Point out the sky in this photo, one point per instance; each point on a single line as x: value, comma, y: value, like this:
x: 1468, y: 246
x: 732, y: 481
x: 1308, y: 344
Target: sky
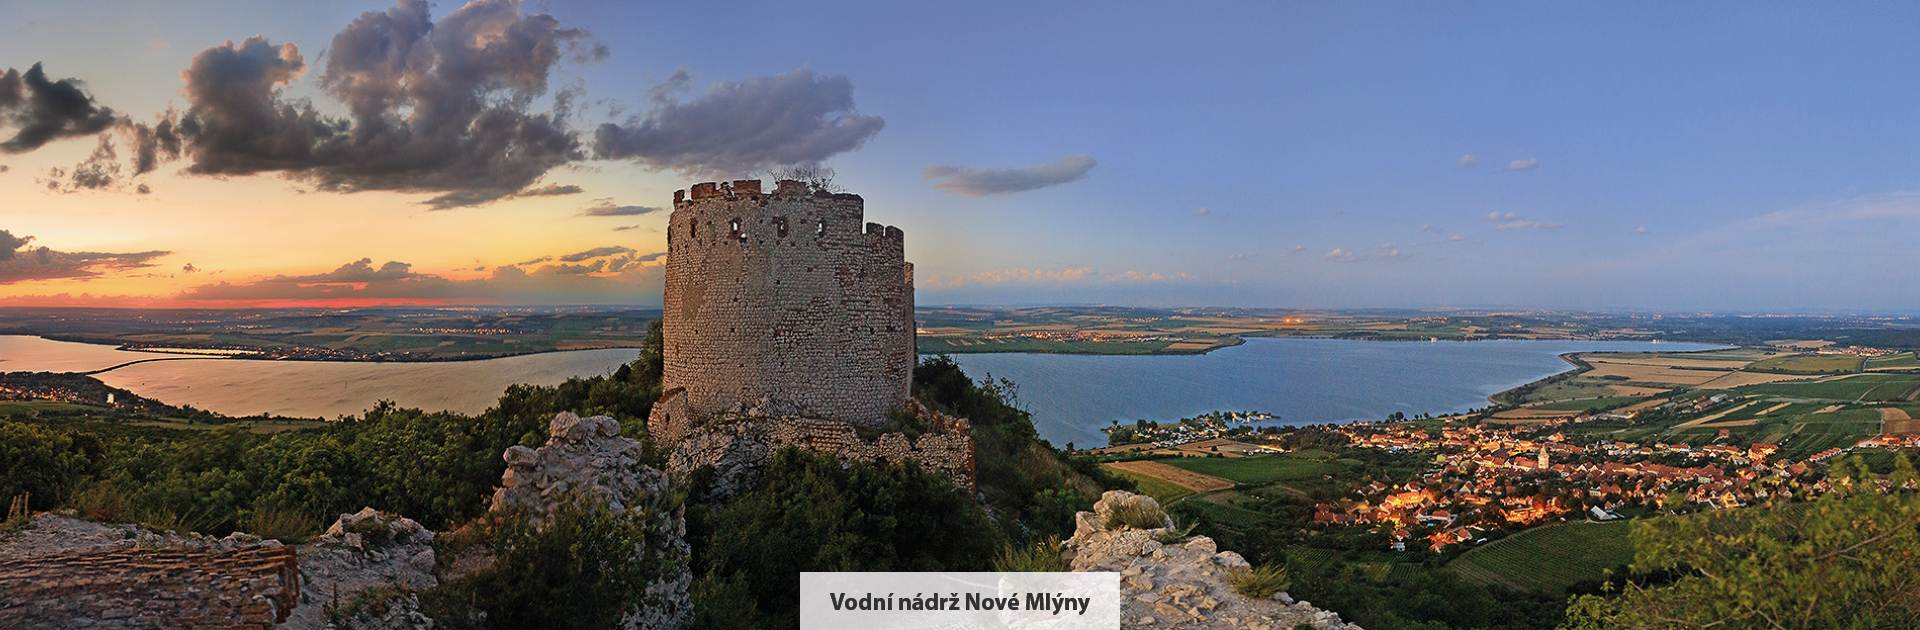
x: 1710, y: 156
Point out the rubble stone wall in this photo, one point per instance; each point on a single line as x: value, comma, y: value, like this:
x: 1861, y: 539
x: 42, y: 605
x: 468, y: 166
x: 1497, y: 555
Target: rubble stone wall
x: 739, y: 447
x: 786, y: 300
x: 249, y: 588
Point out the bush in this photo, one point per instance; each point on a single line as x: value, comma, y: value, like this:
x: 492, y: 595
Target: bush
x: 1258, y: 582
x: 40, y: 462
x: 584, y: 567
x: 814, y: 513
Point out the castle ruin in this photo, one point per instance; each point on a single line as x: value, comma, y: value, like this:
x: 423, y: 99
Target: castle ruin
x: 788, y: 319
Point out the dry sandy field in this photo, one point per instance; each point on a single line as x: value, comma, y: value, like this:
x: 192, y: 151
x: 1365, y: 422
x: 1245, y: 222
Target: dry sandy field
x: 1636, y: 390
x: 1643, y: 405
x: 1897, y: 422
x: 1225, y: 447
x: 1184, y: 478
x: 1652, y: 373
x: 1710, y: 364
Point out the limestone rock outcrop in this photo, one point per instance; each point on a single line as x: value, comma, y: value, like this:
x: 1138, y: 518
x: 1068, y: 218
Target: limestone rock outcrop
x: 586, y: 459
x: 365, y: 571
x: 1176, y: 585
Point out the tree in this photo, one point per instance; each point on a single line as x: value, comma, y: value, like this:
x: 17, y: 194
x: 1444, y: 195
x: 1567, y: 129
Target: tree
x: 1848, y: 560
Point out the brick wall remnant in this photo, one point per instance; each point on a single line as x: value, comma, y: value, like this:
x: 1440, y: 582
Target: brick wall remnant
x: 251, y: 587
x: 786, y: 302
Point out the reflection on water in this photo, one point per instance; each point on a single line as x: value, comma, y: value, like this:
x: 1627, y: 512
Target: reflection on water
x: 309, y: 388
x: 1304, y: 381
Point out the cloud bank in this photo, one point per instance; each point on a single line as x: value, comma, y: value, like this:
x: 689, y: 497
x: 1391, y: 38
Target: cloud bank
x: 742, y: 127
x: 19, y: 263
x: 981, y: 182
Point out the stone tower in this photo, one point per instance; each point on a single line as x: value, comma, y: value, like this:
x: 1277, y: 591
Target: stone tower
x: 783, y: 304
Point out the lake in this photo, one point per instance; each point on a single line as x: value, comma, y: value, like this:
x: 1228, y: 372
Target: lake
x: 308, y: 389
x: 1304, y: 381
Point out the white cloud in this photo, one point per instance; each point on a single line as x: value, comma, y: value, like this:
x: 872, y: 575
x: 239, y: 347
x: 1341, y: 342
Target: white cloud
x: 1468, y: 161
x: 1201, y: 212
x: 1523, y: 165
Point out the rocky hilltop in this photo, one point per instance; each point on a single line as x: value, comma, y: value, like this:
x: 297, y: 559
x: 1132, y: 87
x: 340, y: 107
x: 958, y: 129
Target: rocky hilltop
x: 1183, y: 585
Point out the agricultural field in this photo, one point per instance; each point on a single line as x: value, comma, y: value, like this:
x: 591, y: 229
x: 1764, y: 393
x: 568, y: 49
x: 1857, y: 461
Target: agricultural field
x: 1197, y: 482
x: 1161, y: 491
x: 1588, y: 403
x: 1835, y: 429
x: 1254, y: 470
x: 1578, y: 387
x: 1865, y: 387
x: 1904, y: 360
x: 1809, y: 364
x: 1898, y: 421
x: 1549, y: 559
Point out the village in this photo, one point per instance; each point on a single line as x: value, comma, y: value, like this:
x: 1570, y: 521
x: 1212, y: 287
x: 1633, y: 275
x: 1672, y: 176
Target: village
x: 1488, y: 476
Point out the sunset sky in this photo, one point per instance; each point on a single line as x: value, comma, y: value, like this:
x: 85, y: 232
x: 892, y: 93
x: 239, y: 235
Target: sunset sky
x: 1728, y: 156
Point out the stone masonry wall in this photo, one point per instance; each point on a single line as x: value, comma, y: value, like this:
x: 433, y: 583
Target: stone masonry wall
x: 738, y: 446
x: 786, y: 301
x: 252, y: 587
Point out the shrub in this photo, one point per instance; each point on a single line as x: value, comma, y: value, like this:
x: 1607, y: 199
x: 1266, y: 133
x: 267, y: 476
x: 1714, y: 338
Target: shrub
x: 1259, y: 582
x: 1042, y: 556
x: 584, y: 567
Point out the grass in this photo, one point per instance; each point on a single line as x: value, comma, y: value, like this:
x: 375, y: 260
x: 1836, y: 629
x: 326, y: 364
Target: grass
x: 1865, y: 387
x: 1569, y: 389
x: 286, y: 526
x: 1549, y: 559
x: 1809, y: 364
x: 1043, y: 556
x: 1137, y: 515
x: 1161, y: 491
x: 1259, y: 582
x: 1590, y: 403
x: 1233, y: 515
x: 1254, y: 470
x: 1902, y: 360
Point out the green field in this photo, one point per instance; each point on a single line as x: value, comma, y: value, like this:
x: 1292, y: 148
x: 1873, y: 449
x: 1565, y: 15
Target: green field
x: 1569, y: 389
x: 1549, y: 559
x: 1590, y: 403
x: 1902, y: 360
x: 1254, y: 470
x: 1837, y: 429
x: 1809, y: 364
x: 1865, y: 387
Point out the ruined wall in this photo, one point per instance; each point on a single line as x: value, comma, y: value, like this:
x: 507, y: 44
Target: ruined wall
x: 253, y: 588
x: 738, y: 446
x: 786, y: 302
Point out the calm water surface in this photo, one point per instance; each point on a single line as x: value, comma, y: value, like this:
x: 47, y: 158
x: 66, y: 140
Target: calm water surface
x: 1304, y: 381
x: 308, y: 388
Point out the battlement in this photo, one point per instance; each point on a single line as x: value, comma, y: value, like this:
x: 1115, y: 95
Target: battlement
x: 786, y: 300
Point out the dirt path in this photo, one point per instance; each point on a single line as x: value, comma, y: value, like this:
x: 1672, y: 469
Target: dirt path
x: 1177, y: 476
x: 1772, y: 409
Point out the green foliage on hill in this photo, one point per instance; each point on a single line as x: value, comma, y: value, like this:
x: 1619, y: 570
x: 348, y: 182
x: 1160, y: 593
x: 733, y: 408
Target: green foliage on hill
x: 811, y: 513
x: 46, y: 464
x: 1849, y: 560
x: 584, y: 568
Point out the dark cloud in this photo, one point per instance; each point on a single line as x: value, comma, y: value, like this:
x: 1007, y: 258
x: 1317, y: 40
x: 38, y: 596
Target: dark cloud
x: 604, y: 207
x: 45, y: 110
x: 19, y: 263
x: 740, y: 127
x: 598, y: 283
x: 357, y: 271
x: 980, y: 182
x: 624, y: 228
x: 433, y: 106
x: 189, y: 268
x: 535, y: 261
x: 100, y: 171
x: 480, y: 197
x: 597, y: 252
